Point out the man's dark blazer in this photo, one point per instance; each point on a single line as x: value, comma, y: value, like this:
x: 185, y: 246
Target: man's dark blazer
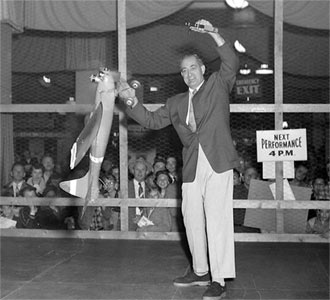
x: 211, y: 107
x: 131, y: 210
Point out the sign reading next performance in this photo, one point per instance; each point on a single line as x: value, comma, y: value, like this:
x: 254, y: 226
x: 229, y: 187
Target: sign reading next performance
x: 281, y: 145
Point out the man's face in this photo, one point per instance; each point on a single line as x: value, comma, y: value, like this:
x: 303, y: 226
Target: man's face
x: 318, y: 185
x: 158, y: 166
x: 140, y: 172
x: 36, y: 174
x: 48, y: 163
x: 249, y: 174
x: 192, y: 72
x: 301, y: 173
x: 18, y: 173
x: 171, y: 164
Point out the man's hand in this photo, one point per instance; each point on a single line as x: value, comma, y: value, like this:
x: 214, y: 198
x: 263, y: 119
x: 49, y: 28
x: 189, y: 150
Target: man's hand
x: 206, y: 24
x: 127, y: 93
x: 206, y: 27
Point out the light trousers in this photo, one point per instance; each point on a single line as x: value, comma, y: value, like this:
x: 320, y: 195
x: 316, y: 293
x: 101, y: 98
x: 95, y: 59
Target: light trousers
x: 207, y: 209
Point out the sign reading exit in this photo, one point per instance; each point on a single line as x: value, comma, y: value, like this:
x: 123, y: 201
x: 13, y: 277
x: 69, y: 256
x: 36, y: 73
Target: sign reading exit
x: 250, y: 87
x: 281, y: 145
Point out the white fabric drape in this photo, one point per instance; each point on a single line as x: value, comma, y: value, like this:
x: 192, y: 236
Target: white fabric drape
x: 84, y: 16
x: 85, y: 53
x: 147, y: 53
x: 304, y: 13
x: 98, y: 16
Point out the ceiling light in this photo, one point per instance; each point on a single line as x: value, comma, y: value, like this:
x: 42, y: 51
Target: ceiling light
x: 45, y: 81
x: 239, y: 47
x: 264, y: 70
x: 245, y: 70
x: 237, y: 4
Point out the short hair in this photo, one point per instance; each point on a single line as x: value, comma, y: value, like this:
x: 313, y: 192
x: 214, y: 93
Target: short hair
x: 38, y: 166
x: 27, y: 188
x: 163, y: 172
x: 17, y: 164
x: 50, y: 188
x: 189, y: 54
x: 108, y: 176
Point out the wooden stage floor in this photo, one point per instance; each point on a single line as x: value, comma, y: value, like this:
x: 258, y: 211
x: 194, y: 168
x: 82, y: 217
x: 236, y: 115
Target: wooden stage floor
x: 40, y: 268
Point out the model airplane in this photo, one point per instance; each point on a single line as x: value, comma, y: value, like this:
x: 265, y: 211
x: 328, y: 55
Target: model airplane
x: 95, y: 136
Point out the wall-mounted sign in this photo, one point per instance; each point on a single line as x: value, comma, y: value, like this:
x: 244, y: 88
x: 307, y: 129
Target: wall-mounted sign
x: 281, y: 145
x: 248, y: 87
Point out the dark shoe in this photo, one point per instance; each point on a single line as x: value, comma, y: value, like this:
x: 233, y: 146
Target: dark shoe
x: 215, y: 292
x: 192, y: 279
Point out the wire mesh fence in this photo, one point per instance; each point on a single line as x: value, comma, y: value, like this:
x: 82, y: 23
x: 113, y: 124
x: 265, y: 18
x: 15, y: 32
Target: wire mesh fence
x: 154, y: 51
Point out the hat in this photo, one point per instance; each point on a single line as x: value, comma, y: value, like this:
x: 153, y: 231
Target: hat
x: 132, y: 163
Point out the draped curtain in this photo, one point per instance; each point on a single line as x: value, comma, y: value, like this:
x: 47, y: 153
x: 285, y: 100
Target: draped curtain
x: 303, y: 54
x: 304, y: 13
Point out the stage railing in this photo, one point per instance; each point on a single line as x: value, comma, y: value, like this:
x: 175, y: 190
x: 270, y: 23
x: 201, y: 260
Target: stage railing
x: 278, y: 205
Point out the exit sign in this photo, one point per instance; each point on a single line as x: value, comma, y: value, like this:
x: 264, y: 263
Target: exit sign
x: 248, y: 87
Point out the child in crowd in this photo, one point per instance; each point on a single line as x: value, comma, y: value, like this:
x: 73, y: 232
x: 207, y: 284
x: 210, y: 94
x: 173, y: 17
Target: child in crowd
x: 319, y: 224
x: 36, y: 180
x: 110, y: 215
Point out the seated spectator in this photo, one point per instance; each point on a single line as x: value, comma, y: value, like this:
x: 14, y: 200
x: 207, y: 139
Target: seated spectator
x: 318, y: 188
x: 175, y: 174
x: 26, y: 162
x: 159, y: 163
x: 106, y: 167
x: 241, y: 192
x: 110, y: 215
x: 50, y: 175
x: 115, y: 173
x: 236, y: 177
x: 150, y: 181
x: 39, y: 217
x: 300, y: 175
x: 52, y: 216
x: 137, y: 188
x: 169, y: 191
x: 172, y: 168
x: 320, y: 223
x: 155, y: 219
x: 12, y: 189
x: 28, y: 214
x: 36, y: 179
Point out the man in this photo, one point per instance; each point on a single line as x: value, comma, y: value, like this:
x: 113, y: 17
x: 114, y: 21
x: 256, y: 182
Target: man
x: 137, y: 188
x: 209, y: 157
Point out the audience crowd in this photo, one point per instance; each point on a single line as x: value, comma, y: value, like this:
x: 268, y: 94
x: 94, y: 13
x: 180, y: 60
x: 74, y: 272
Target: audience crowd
x: 31, y: 177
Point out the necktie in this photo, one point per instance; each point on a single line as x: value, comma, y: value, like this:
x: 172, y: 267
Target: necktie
x: 16, y: 190
x: 191, y: 115
x: 140, y: 191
